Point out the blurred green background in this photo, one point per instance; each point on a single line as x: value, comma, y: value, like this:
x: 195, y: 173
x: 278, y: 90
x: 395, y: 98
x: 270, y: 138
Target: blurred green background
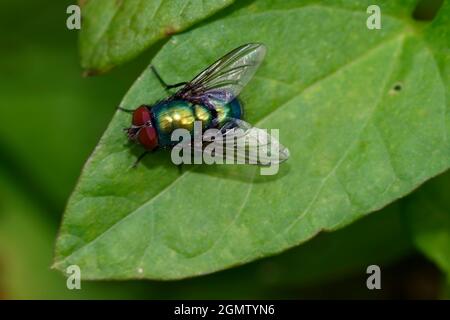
x: 51, y: 119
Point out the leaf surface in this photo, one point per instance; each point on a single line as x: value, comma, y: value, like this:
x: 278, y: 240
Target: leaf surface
x: 428, y: 216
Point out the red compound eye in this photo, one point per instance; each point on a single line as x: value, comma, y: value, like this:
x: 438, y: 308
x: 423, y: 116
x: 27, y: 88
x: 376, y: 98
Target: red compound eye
x: 141, y: 116
x: 148, y: 137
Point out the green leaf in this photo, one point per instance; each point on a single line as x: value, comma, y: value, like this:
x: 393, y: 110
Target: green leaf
x: 116, y: 31
x: 362, y: 111
x: 428, y: 215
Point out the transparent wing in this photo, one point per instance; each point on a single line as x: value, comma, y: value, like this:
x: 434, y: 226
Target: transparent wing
x: 226, y: 77
x: 239, y: 142
x: 246, y: 144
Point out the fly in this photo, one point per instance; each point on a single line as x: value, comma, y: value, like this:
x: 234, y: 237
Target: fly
x: 211, y: 98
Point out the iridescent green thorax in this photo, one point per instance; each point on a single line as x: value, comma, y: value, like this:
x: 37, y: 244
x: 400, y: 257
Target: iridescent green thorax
x: 174, y: 114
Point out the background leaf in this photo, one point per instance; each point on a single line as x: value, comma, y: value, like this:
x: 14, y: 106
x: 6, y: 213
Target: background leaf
x: 116, y: 31
x: 361, y: 111
x: 428, y: 214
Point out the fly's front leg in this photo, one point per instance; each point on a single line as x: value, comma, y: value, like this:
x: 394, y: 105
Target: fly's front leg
x: 140, y: 158
x: 228, y: 126
x: 163, y: 83
x: 142, y: 155
x: 125, y: 110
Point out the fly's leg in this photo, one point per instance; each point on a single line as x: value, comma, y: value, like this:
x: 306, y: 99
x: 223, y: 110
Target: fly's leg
x: 140, y: 158
x: 146, y: 152
x: 163, y: 83
x: 228, y: 126
x: 125, y: 110
x: 142, y: 155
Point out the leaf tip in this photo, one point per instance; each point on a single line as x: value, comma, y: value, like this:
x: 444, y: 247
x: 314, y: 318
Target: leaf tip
x: 54, y: 266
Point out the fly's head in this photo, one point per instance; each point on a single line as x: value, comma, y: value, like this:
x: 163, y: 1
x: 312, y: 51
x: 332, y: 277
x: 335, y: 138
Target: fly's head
x: 142, y: 130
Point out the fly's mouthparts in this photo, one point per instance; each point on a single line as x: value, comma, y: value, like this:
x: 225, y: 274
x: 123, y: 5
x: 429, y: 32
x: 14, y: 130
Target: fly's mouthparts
x: 132, y: 132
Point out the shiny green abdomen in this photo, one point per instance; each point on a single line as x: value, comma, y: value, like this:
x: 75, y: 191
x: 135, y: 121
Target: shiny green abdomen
x: 175, y: 114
